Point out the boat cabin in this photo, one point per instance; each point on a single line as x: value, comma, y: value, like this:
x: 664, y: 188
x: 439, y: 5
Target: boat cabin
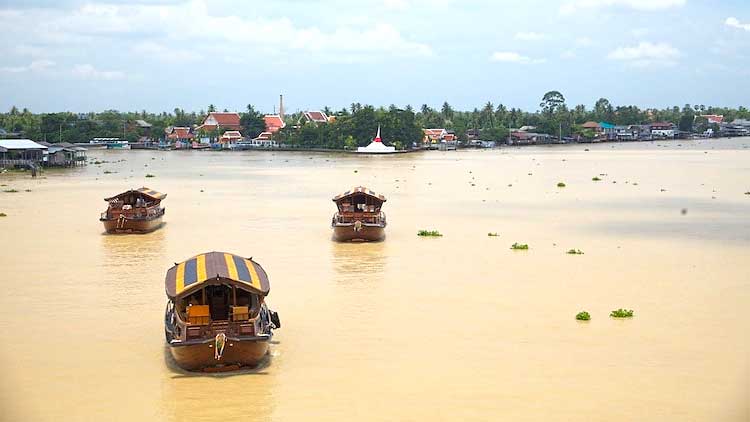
x: 135, y: 203
x: 216, y: 292
x: 359, y: 204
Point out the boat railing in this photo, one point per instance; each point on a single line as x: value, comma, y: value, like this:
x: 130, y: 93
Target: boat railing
x: 132, y: 213
x: 350, y: 218
x: 209, y: 327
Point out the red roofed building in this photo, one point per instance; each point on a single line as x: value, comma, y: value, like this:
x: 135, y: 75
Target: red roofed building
x: 274, y: 123
x: 433, y: 136
x: 177, y: 133
x: 315, y: 117
x: 230, y: 137
x: 228, y: 121
x: 714, y: 118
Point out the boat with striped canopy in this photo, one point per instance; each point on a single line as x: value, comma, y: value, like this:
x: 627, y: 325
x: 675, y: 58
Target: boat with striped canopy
x: 216, y: 316
x: 359, y: 216
x: 134, y: 211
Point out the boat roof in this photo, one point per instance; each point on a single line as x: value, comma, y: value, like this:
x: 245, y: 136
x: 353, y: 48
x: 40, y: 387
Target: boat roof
x: 156, y: 196
x: 358, y: 189
x: 186, y: 277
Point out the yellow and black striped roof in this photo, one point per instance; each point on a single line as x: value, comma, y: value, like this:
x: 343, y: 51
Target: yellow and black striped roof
x: 154, y: 195
x: 186, y: 276
x: 358, y: 189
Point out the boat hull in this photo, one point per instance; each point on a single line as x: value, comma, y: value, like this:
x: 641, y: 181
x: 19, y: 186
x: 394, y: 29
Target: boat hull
x: 366, y: 233
x: 132, y: 225
x: 200, y: 356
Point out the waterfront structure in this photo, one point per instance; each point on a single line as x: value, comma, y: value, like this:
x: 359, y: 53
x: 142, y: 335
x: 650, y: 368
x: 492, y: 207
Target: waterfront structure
x: 376, y: 146
x: 662, y: 130
x: 216, y: 120
x: 63, y: 154
x: 230, y: 138
x: 359, y: 216
x: 432, y: 137
x: 134, y: 211
x: 179, y: 136
x: 216, y: 317
x: 21, y: 153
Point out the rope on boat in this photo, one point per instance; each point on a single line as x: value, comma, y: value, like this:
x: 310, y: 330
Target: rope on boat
x: 219, y: 342
x: 121, y: 221
x: 357, y: 226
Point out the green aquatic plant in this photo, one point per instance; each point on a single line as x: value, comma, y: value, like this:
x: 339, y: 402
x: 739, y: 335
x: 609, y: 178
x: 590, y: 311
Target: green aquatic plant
x: 583, y: 316
x: 108, y: 172
x: 596, y: 178
x: 150, y: 175
x: 2, y: 214
x: 519, y: 246
x: 561, y: 185
x: 429, y: 233
x: 493, y: 235
x: 10, y: 190
x: 621, y: 313
x: 747, y: 193
x: 575, y: 252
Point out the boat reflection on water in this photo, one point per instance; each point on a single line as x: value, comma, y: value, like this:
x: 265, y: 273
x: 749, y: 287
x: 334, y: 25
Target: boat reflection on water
x: 358, y: 261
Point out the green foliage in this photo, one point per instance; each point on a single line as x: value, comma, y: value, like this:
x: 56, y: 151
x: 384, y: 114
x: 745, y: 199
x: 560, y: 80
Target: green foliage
x: 621, y: 313
x: 583, y: 316
x: 10, y: 190
x: 252, y: 122
x: 150, y: 175
x: 2, y: 214
x: 519, y: 246
x: 574, y: 252
x: 429, y: 233
x: 108, y: 172
x: 596, y: 178
x: 560, y: 185
x: 493, y: 235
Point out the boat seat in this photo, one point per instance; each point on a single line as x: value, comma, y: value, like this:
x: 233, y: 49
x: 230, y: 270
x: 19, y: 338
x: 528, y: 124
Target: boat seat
x: 198, y: 314
x: 240, y: 313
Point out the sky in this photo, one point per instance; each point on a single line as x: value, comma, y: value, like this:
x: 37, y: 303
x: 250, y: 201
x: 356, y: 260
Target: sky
x: 68, y: 55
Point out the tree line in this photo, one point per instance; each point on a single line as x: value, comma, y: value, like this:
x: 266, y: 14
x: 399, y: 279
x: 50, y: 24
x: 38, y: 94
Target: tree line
x: 356, y: 125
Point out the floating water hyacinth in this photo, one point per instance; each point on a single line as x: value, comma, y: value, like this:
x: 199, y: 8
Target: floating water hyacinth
x: 150, y: 175
x: 574, y: 252
x: 429, y: 233
x: 493, y: 235
x: 621, y: 313
x: 596, y: 178
x: 561, y: 185
x: 583, y: 316
x: 519, y: 246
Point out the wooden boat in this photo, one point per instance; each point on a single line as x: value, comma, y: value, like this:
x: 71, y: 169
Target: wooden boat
x: 134, y: 211
x: 359, y: 216
x: 216, y: 316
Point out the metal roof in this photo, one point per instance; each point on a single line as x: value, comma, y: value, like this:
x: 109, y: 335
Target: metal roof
x: 10, y: 144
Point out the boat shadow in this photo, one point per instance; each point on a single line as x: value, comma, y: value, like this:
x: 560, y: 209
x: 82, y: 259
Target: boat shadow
x: 178, y: 372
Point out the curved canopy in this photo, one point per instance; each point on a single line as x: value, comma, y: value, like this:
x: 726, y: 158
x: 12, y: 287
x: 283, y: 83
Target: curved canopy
x: 358, y: 190
x: 186, y: 276
x: 144, y: 191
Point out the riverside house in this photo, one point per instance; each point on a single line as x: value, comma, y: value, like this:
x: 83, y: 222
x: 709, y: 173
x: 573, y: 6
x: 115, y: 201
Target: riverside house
x: 21, y: 153
x: 179, y: 136
x: 662, y: 130
x: 230, y: 138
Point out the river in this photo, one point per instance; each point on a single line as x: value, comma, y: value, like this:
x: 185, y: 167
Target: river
x: 459, y: 327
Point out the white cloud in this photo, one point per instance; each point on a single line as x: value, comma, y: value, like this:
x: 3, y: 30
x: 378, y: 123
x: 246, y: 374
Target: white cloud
x: 646, y: 54
x: 568, y: 55
x: 164, y: 53
x: 513, y: 57
x: 396, y: 4
x: 584, y: 42
x: 639, y: 32
x: 529, y: 36
x: 735, y: 23
x: 89, y: 72
x: 208, y: 33
x: 573, y: 6
x: 34, y: 66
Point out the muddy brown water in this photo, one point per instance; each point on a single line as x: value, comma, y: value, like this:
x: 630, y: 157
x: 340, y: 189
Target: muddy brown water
x: 452, y: 328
